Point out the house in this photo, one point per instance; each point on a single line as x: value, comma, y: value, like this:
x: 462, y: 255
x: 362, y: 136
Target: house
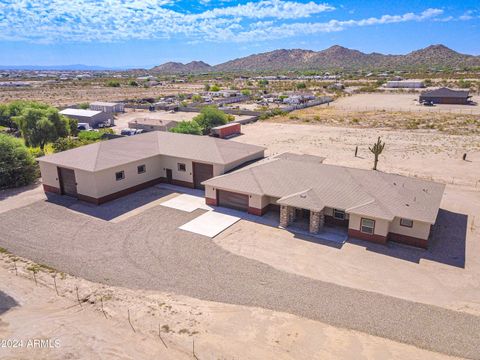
x: 110, y: 169
x: 372, y: 205
x: 92, y: 117
x: 405, y: 84
x: 147, y: 124
x: 446, y: 96
x: 107, y: 107
x: 296, y: 99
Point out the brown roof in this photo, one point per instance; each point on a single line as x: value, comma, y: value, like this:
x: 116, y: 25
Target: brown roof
x: 445, y: 92
x: 363, y: 192
x: 111, y: 153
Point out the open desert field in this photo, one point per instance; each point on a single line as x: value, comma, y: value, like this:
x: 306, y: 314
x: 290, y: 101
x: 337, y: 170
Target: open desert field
x: 344, y: 113
x: 66, y: 94
x: 400, y: 102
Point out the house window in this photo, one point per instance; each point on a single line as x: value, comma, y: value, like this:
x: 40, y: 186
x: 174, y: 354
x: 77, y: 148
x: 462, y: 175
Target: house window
x: 339, y: 214
x: 406, y: 222
x: 120, y: 175
x: 141, y: 169
x: 181, y: 167
x: 367, y: 226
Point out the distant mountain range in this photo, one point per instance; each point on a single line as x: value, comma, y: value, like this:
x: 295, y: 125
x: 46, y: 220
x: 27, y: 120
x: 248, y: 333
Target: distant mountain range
x: 75, y: 67
x: 335, y: 57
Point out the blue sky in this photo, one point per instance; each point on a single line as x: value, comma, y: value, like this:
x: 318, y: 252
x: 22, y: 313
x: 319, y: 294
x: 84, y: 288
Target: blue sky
x: 118, y: 33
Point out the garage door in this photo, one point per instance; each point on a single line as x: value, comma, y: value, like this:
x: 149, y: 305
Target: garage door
x: 68, y: 184
x: 201, y: 172
x: 232, y: 200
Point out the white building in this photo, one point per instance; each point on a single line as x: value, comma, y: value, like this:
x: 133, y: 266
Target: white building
x: 107, y: 107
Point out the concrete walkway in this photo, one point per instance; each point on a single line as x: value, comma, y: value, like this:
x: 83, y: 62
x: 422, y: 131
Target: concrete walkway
x: 149, y: 251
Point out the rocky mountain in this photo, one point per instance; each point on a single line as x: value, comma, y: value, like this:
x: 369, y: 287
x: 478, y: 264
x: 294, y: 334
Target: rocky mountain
x: 335, y: 57
x: 177, y: 67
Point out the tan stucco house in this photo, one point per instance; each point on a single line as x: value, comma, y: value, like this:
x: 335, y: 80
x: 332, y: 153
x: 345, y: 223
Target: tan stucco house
x: 109, y: 169
x: 372, y: 205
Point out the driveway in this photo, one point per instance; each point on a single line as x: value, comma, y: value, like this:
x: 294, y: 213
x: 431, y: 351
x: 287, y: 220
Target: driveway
x: 148, y: 251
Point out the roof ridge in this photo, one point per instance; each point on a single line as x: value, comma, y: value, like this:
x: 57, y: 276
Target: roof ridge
x: 99, y: 144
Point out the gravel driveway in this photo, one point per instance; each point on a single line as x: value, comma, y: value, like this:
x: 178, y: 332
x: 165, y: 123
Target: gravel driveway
x: 148, y: 251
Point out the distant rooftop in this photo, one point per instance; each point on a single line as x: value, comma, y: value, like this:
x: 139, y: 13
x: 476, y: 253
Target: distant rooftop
x: 80, y: 112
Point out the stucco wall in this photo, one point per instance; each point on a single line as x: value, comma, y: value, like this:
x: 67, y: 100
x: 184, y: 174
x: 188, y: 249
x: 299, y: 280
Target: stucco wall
x: 107, y: 184
x: 381, y: 226
x: 258, y: 202
x: 419, y: 229
x: 169, y: 162
x: 49, y: 174
x: 86, y: 182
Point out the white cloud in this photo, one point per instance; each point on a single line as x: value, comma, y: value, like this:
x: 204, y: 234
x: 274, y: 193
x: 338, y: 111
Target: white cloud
x: 52, y: 21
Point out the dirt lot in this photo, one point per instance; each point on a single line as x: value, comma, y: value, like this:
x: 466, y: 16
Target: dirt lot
x: 74, y: 92
x: 121, y: 121
x: 442, y: 122
x: 219, y: 330
x: 400, y: 102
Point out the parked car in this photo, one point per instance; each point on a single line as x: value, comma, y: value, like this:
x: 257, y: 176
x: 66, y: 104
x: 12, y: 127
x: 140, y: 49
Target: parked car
x: 128, y: 132
x: 428, y: 103
x: 84, y: 126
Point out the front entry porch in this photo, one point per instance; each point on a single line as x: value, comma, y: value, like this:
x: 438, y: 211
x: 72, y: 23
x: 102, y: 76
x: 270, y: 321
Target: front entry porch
x: 310, y: 222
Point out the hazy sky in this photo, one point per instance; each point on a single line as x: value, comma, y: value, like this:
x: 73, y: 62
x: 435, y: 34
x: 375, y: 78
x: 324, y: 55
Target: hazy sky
x: 118, y: 33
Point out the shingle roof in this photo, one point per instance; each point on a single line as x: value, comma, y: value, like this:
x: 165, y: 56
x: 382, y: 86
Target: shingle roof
x: 116, y: 152
x: 306, y: 199
x: 363, y: 192
x: 445, y: 92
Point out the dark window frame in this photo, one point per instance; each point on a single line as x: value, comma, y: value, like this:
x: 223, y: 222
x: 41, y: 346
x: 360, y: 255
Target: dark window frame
x: 404, y: 219
x: 366, y: 232
x: 180, y: 166
x: 144, y: 167
x: 340, y: 211
x: 122, y: 175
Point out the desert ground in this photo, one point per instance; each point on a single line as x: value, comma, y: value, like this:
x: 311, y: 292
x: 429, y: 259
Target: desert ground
x: 74, y: 92
x: 165, y: 326
x: 401, y: 102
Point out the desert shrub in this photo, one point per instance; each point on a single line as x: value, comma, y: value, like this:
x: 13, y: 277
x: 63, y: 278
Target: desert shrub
x: 215, y: 88
x: 246, y: 92
x: 197, y: 98
x: 272, y: 113
x: 17, y: 165
x: 113, y: 83
x: 187, y: 127
x: 84, y: 106
x: 90, y: 135
x: 132, y: 83
x: 301, y: 85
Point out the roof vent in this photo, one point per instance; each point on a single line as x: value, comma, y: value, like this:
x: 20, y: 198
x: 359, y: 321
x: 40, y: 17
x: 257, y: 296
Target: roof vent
x: 303, y: 196
x: 407, y: 204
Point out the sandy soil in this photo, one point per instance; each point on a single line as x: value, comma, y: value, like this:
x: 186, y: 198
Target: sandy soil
x: 399, y: 102
x: 218, y: 330
x: 65, y: 94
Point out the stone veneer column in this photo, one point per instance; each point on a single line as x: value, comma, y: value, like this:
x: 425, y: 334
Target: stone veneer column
x: 291, y: 215
x: 314, y: 222
x: 284, y: 216
x: 322, y: 219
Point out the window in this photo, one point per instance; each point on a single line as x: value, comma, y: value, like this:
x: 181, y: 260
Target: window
x: 141, y: 169
x: 339, y: 214
x: 367, y: 226
x: 182, y: 167
x: 120, y: 175
x: 406, y: 222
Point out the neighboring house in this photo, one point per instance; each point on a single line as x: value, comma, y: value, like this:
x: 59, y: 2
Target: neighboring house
x: 146, y: 124
x: 298, y: 99
x: 107, y: 107
x: 446, y: 96
x: 405, y: 84
x: 110, y: 169
x: 373, y: 205
x: 92, y: 117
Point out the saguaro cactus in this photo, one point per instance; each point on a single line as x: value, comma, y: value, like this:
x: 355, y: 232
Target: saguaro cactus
x: 377, y: 149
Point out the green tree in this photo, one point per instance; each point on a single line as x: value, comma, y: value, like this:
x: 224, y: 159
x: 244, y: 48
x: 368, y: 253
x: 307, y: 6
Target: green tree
x: 17, y: 165
x: 197, y: 98
x: 42, y: 124
x: 210, y: 117
x: 301, y: 85
x: 246, y: 92
x: 187, y: 127
x: 132, y: 83
x: 84, y: 106
x: 215, y: 88
x: 206, y: 87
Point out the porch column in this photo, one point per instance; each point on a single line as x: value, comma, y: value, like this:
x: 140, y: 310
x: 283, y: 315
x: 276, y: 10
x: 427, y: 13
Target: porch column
x: 292, y: 215
x: 284, y: 216
x: 314, y: 222
x: 322, y: 219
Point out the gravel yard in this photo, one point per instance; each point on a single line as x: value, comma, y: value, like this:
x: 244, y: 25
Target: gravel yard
x: 148, y: 251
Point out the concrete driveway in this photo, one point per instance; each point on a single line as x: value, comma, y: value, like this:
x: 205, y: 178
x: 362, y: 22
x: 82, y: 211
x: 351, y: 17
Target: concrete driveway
x: 148, y: 251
